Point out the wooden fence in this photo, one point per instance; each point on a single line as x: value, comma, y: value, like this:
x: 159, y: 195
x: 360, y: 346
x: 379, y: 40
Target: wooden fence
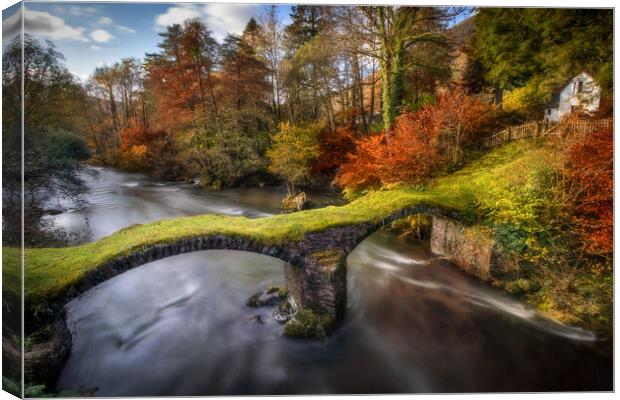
x: 544, y: 128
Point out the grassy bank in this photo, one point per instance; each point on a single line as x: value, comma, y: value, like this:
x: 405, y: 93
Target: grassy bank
x: 498, y: 190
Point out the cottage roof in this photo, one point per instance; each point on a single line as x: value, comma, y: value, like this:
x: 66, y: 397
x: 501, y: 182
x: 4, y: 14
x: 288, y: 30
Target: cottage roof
x: 558, y: 89
x: 555, y: 98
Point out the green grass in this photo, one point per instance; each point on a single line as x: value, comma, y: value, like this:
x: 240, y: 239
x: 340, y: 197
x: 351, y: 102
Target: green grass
x: 478, y: 191
x: 11, y: 277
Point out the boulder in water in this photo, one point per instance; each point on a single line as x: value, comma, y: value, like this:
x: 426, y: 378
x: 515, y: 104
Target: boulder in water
x: 268, y: 298
x: 284, y: 312
x: 256, y: 319
x: 292, y: 203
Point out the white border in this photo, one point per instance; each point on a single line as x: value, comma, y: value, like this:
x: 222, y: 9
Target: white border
x: 481, y: 3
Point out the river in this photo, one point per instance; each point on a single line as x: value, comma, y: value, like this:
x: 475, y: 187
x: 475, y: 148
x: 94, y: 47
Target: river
x: 414, y: 322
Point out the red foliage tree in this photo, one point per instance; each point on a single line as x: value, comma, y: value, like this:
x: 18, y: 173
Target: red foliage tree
x: 459, y: 117
x: 334, y: 147
x: 142, y: 147
x: 590, y: 172
x: 407, y: 153
x: 418, y: 143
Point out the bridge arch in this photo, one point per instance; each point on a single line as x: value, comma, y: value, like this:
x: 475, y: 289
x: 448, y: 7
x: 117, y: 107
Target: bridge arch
x: 315, y: 269
x: 315, y: 265
x: 315, y: 273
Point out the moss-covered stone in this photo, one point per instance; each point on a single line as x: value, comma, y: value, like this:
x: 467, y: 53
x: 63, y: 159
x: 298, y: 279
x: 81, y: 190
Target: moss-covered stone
x: 281, y: 291
x: 294, y: 203
x: 513, y: 288
x: 270, y: 297
x: 528, y: 285
x: 521, y: 286
x: 307, y: 324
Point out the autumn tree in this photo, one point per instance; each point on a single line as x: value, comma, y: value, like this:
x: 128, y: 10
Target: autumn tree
x: 418, y: 144
x: 590, y: 175
x: 408, y: 153
x: 458, y: 117
x: 295, y: 147
x: 244, y: 71
x: 106, y: 79
x: 314, y: 70
x: 181, y: 76
x: 271, y: 50
x: 392, y: 32
x: 147, y: 150
x: 334, y: 148
x: 309, y: 63
x: 118, y: 95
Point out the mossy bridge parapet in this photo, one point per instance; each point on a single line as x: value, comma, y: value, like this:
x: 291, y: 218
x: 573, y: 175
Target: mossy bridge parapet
x: 315, y: 271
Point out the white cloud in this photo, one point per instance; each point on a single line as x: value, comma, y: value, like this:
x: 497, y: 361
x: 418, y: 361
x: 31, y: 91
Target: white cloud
x: 110, y: 22
x: 95, y: 47
x: 81, y: 10
x: 177, y: 15
x: 105, y: 21
x: 219, y: 18
x: 125, y: 29
x: 78, y: 11
x: 46, y: 25
x: 101, y: 35
x: 224, y: 18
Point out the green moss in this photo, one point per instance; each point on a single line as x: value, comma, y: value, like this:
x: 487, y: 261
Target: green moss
x: 281, y: 291
x: 307, y: 324
x: 587, y: 301
x: 11, y: 276
x: 328, y: 256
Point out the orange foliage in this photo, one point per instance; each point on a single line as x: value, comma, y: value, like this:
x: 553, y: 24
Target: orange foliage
x: 141, y: 147
x: 591, y: 173
x: 172, y: 87
x: 408, y: 153
x: 459, y: 117
x: 334, y: 147
x: 418, y: 144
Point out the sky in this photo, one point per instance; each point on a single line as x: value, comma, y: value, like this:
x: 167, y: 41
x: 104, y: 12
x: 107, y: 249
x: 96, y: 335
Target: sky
x: 94, y: 34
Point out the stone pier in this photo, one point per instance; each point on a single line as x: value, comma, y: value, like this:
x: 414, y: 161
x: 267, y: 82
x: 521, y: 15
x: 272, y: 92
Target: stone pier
x: 470, y: 250
x: 321, y: 285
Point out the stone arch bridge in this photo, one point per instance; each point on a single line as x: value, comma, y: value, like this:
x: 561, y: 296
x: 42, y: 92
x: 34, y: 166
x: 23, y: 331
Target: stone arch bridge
x: 313, y: 243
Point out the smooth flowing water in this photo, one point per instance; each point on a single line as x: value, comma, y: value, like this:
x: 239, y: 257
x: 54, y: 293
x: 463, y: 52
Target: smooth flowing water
x: 414, y: 323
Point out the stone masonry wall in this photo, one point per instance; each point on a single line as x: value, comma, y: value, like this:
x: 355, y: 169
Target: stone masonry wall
x: 474, y: 254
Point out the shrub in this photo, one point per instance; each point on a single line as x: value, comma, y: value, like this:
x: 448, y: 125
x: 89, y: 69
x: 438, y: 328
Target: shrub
x: 294, y: 150
x: 590, y: 173
x: 144, y: 149
x: 408, y: 153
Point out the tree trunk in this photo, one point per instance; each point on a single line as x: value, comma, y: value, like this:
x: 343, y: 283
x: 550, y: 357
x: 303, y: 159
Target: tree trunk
x: 213, y: 101
x: 115, y: 122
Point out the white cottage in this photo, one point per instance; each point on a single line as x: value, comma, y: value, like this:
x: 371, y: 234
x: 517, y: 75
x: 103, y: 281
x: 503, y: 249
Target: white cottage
x: 580, y: 94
